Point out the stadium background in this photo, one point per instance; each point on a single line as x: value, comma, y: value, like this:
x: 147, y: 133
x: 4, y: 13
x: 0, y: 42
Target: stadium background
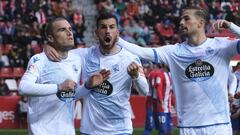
x: 148, y: 23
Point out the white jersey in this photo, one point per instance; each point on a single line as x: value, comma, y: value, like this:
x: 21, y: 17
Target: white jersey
x: 106, y: 109
x: 47, y: 114
x: 200, y: 76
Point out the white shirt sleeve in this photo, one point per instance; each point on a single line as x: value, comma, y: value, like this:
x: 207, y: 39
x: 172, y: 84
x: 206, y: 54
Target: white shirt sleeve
x: 146, y: 53
x: 235, y: 29
x: 28, y: 85
x: 141, y: 85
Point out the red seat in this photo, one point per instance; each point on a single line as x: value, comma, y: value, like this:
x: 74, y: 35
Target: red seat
x: 18, y: 71
x: 6, y: 72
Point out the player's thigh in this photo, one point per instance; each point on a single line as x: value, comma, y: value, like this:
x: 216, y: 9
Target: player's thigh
x: 223, y: 129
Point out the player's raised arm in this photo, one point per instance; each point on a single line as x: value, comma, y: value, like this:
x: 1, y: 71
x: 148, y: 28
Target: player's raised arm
x: 220, y: 25
x: 146, y: 53
x: 139, y: 79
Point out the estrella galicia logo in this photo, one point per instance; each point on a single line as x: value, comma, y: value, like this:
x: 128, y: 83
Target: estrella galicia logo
x: 105, y: 88
x: 199, y: 71
x: 63, y: 95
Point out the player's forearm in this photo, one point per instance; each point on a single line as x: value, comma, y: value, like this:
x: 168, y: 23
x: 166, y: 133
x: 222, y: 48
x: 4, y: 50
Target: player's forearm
x: 26, y: 87
x: 235, y: 29
x: 141, y: 85
x: 81, y: 91
x: 146, y: 53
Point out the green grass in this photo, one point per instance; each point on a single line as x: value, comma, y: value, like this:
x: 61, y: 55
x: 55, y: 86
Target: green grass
x: 137, y: 131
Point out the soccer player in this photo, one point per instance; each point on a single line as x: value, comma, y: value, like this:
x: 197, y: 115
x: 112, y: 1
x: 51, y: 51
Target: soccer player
x: 106, y: 108
x: 50, y: 86
x: 199, y: 67
x: 159, y: 101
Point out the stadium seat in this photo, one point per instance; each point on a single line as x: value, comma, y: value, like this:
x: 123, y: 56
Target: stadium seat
x: 6, y: 72
x: 12, y: 84
x: 18, y: 71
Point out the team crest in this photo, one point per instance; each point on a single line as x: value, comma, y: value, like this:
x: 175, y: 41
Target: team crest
x: 115, y: 68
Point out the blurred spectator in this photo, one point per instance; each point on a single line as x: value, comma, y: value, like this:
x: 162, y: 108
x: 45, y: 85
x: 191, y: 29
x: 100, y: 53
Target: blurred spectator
x: 150, y: 19
x: 28, y: 53
x: 41, y: 17
x: 106, y: 6
x: 165, y: 29
x: 146, y: 33
x: 8, y: 32
x: 133, y: 27
x: 120, y: 6
x: 139, y: 40
x: 155, y: 10
x: 143, y: 8
x: 15, y: 58
x: 127, y: 37
x: 132, y: 8
x: 4, y: 90
x: 4, y: 61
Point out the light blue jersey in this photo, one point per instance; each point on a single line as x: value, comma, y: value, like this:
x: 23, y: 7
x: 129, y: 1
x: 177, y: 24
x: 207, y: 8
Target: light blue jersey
x: 47, y: 114
x: 200, y: 76
x: 106, y: 109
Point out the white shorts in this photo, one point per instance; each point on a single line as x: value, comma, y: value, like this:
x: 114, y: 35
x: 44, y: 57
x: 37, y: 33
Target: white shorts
x: 222, y: 129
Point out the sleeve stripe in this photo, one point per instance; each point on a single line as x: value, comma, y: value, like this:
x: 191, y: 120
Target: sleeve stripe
x: 155, y: 56
x: 238, y: 46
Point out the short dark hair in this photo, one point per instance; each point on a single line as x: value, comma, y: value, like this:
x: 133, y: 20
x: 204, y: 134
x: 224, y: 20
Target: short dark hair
x: 49, y: 26
x: 106, y: 15
x: 200, y: 12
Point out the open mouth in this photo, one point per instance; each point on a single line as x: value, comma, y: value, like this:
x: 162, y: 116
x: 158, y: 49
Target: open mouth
x: 108, y: 39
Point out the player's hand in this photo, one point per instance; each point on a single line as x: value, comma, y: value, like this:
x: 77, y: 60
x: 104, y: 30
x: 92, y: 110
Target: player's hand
x: 221, y: 25
x: 97, y: 78
x: 237, y: 95
x: 52, y: 53
x: 230, y: 98
x: 67, y: 85
x: 133, y: 70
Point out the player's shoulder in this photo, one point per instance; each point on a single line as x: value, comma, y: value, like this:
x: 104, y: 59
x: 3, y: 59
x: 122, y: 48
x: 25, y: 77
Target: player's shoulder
x: 38, y: 58
x: 128, y: 54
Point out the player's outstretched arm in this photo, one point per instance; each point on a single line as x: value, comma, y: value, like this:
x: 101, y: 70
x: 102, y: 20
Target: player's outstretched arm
x: 220, y: 25
x: 146, y: 53
x: 139, y: 79
x: 29, y: 87
x: 92, y: 82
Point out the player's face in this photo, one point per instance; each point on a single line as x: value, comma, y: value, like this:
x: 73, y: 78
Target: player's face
x: 189, y: 24
x: 62, y: 36
x: 107, y: 33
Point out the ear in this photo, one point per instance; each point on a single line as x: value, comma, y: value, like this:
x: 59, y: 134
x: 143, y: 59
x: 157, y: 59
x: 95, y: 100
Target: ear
x: 50, y: 38
x: 201, y: 23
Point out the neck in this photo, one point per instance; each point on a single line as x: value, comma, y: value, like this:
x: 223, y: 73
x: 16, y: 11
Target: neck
x: 115, y: 49
x: 197, y: 39
x: 62, y: 54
